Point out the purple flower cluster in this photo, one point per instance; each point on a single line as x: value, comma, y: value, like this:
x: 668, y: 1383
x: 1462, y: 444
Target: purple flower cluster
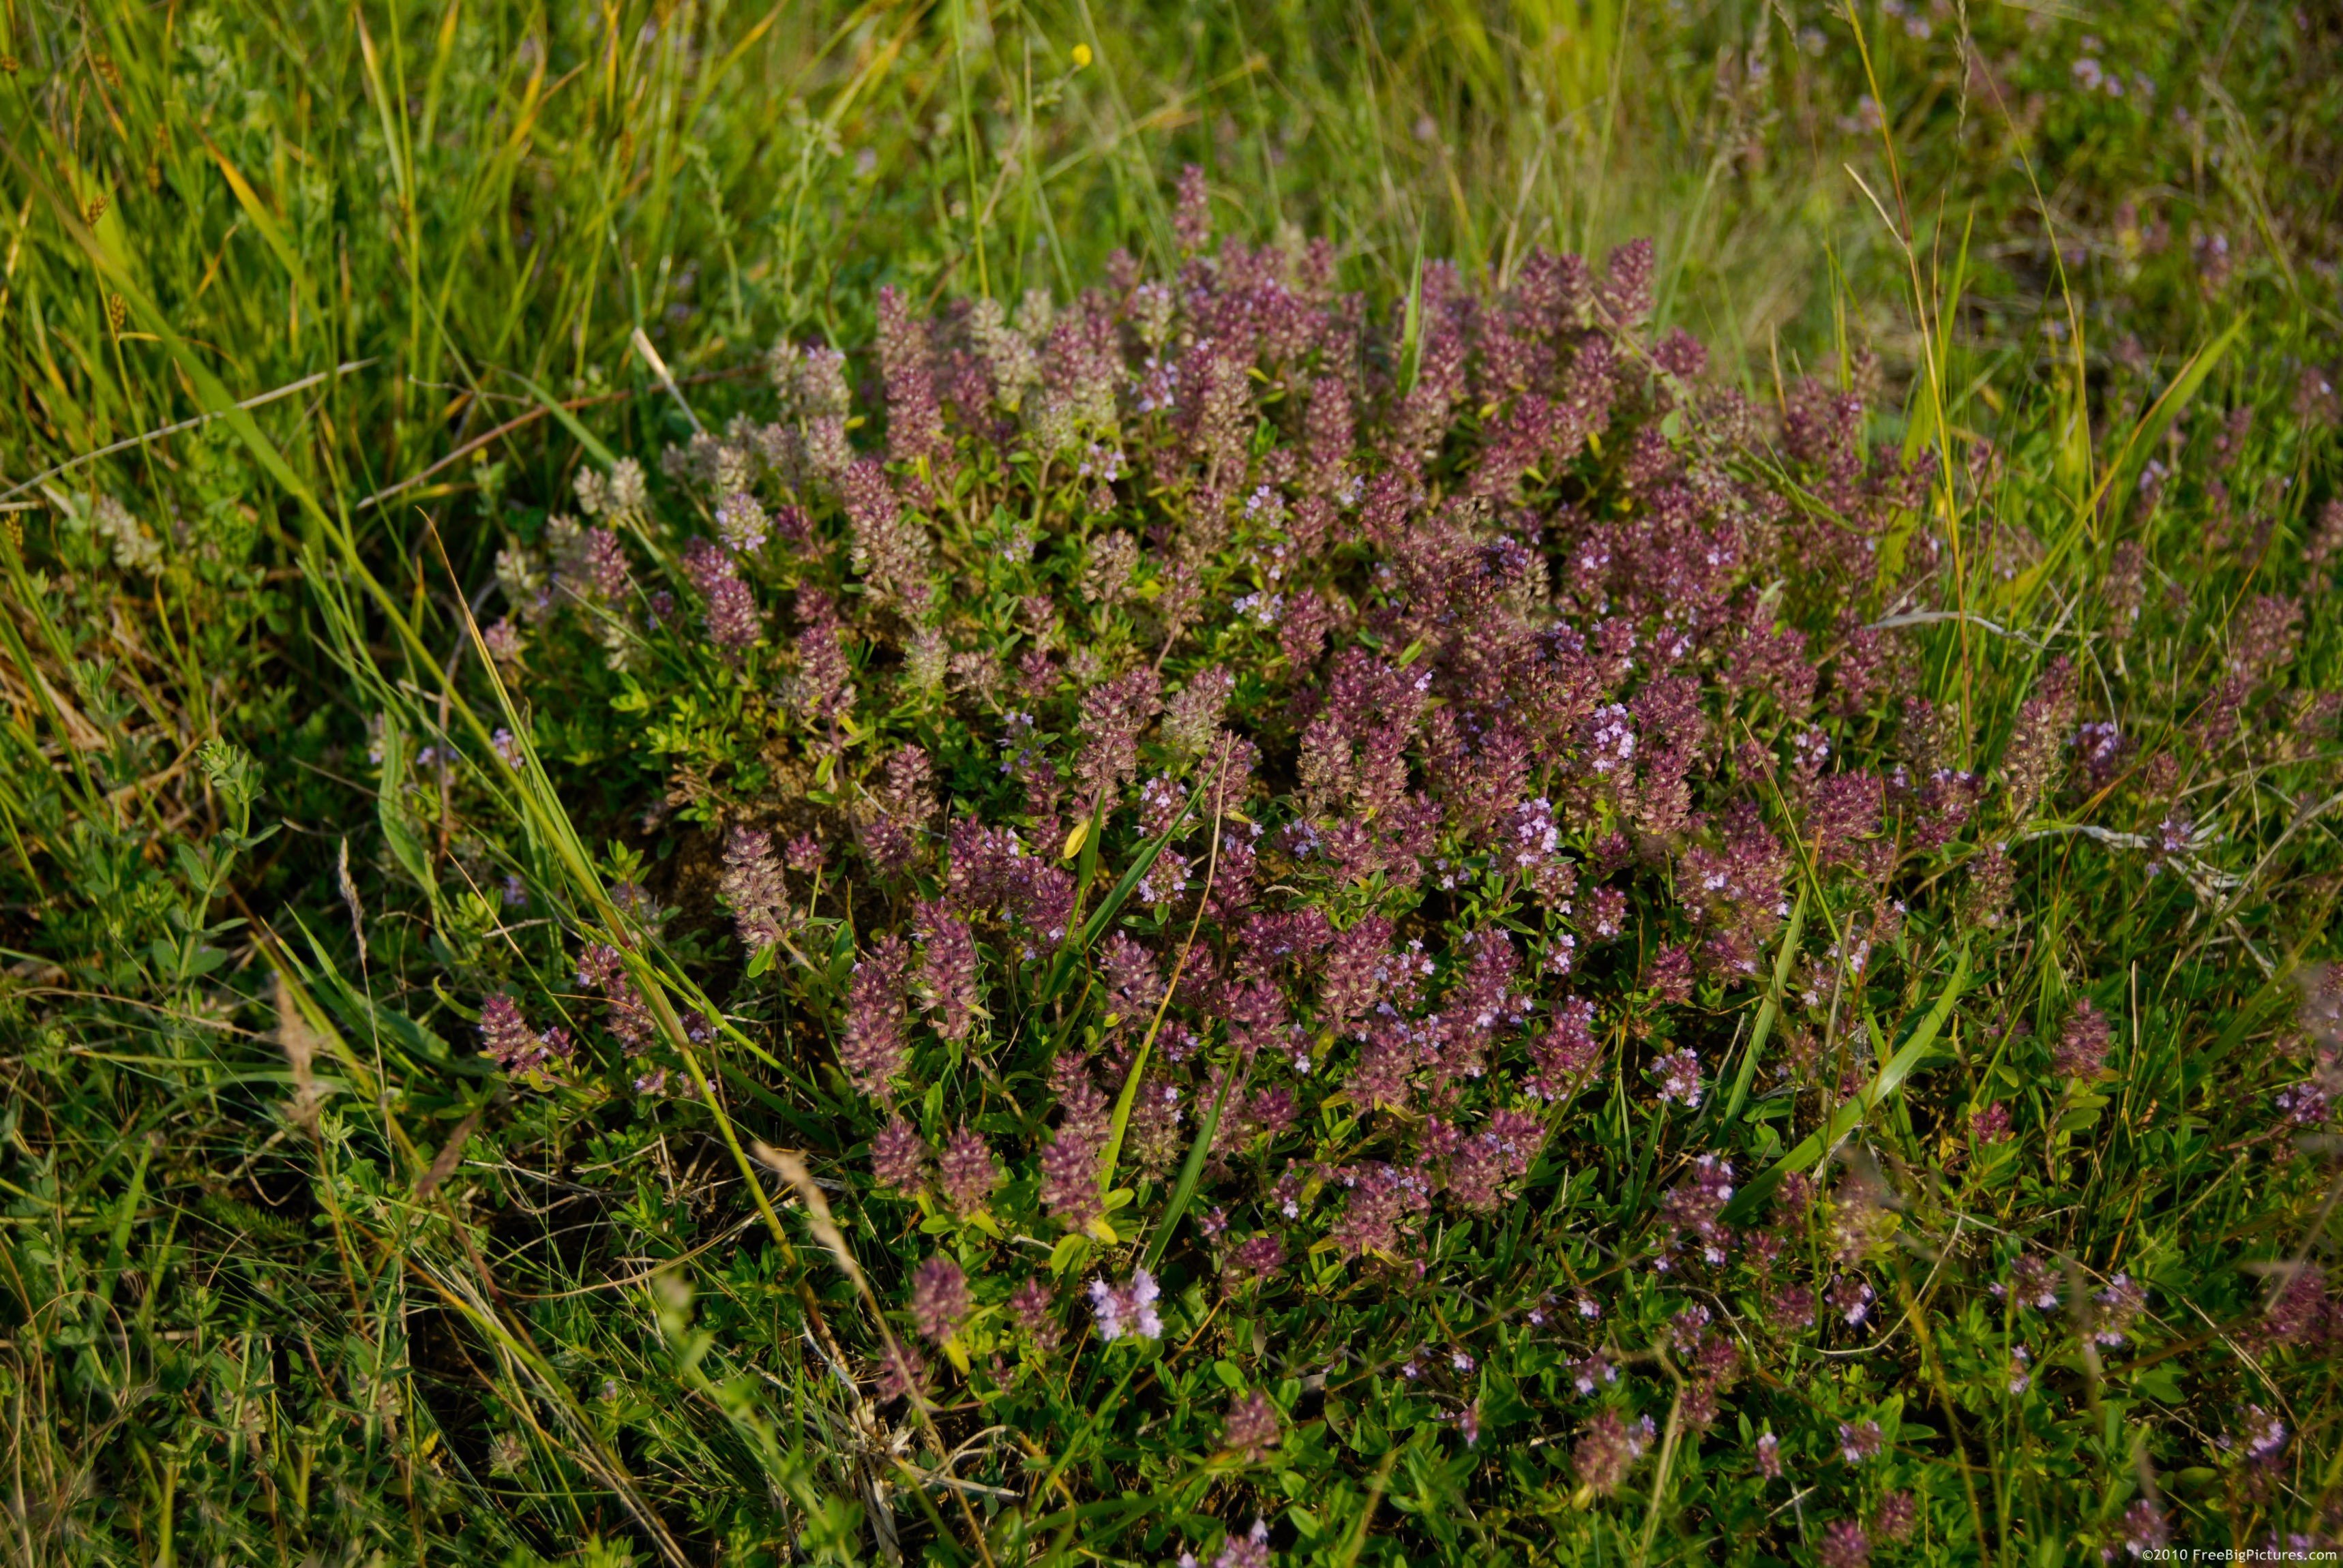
x: 505, y: 1036
x: 1128, y: 1308
x: 1334, y: 742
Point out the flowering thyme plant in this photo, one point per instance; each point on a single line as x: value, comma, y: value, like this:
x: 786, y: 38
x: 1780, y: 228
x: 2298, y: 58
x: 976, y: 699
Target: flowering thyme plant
x: 1319, y: 878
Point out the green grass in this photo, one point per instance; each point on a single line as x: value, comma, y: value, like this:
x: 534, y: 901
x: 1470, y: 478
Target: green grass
x: 238, y: 1323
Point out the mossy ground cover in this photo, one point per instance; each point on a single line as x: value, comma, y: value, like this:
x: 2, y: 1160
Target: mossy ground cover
x: 1309, y: 783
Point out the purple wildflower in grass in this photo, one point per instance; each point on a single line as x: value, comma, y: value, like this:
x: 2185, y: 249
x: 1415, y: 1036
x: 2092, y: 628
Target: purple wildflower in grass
x: 1114, y: 715
x: 2115, y: 1309
x: 2303, y: 1312
x: 903, y: 1372
x: 754, y: 889
x: 505, y: 1035
x: 1990, y: 1125
x: 1251, y: 1428
x: 2031, y: 761
x: 890, y: 548
x: 940, y: 1302
x: 872, y: 1048
x: 1679, y: 1075
x: 2033, y: 1283
x: 1792, y: 1308
x: 898, y: 810
x: 1851, y: 1298
x: 2260, y: 1437
x: 1252, y: 1261
x: 948, y: 969
x: 1859, y: 1440
x: 1626, y: 295
x: 899, y: 1158
x: 742, y: 523
x: 518, y: 1049
x: 505, y: 645
x: 1845, y: 1545
x: 1036, y: 1313
x: 914, y: 418
x: 2021, y: 1369
x: 2144, y: 1530
x: 1693, y: 1210
x: 1669, y: 979
x: 967, y: 1171
x: 1898, y: 1513
x: 1468, y: 1424
x: 1250, y: 1550
x: 1070, y: 1178
x: 1608, y: 1448
x: 1383, y: 1202
x: 1593, y: 1372
x: 2304, y: 1104
x: 1769, y: 1456
x: 1127, y: 1309
x: 2082, y: 1051
x: 1191, y: 216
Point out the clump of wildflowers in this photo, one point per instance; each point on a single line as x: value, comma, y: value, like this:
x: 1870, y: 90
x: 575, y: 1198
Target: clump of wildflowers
x: 1406, y: 821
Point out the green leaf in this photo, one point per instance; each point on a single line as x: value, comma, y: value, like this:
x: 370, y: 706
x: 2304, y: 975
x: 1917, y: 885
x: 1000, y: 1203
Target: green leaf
x: 1068, y: 1253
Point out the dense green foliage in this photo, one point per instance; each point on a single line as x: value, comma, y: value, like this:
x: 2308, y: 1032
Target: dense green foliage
x: 1977, y: 893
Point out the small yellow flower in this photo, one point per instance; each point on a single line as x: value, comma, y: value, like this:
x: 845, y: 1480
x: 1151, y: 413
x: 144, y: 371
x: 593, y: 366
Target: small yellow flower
x: 1081, y: 55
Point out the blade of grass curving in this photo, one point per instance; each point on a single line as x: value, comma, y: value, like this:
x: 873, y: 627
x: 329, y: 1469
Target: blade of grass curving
x: 1770, y: 1009
x: 1819, y: 1143
x: 1079, y: 941
x: 1192, y: 1171
x: 1124, y: 1100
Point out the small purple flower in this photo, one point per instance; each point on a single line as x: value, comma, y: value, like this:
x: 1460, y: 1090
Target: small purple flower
x: 1859, y: 1441
x: 2144, y: 1528
x: 1608, y: 1448
x: 1611, y: 739
x: 2263, y: 1438
x: 939, y: 1302
x: 1031, y: 1305
x: 1898, y: 1511
x: 1845, y: 1545
x: 1128, y: 1308
x: 2117, y: 1308
x: 519, y: 1050
x: 1250, y: 1427
x: 1679, y: 1075
x: 1250, y: 1550
x: 1769, y: 1456
x: 967, y: 1171
x: 899, y: 1158
x: 872, y: 1048
x: 2083, y: 1046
